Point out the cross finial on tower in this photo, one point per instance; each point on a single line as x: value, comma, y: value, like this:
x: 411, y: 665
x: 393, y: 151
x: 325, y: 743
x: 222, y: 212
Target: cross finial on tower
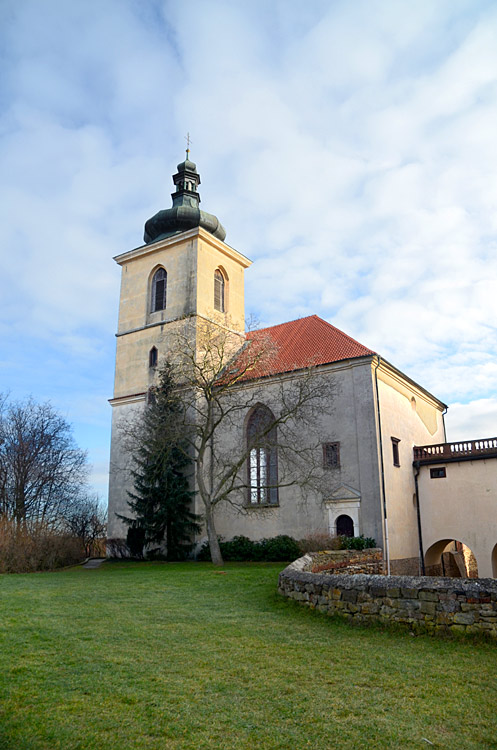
x: 188, y: 141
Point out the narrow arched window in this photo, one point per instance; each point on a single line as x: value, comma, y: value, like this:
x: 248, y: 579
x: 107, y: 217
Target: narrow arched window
x: 152, y: 357
x: 159, y: 288
x: 219, y: 291
x: 345, y: 526
x: 262, y: 458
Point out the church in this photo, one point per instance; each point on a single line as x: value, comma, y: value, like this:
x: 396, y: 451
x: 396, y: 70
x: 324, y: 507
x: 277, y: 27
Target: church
x: 377, y: 437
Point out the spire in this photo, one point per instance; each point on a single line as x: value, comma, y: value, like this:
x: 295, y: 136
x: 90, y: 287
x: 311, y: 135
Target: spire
x: 185, y: 213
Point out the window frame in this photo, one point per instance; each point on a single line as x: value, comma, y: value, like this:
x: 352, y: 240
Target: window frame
x: 153, y: 357
x: 219, y: 291
x: 156, y: 281
x: 395, y: 451
x: 438, y: 472
x: 262, y: 459
x: 332, y: 448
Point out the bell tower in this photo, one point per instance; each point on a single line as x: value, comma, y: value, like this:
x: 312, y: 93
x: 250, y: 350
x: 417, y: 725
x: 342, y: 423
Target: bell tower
x: 185, y: 272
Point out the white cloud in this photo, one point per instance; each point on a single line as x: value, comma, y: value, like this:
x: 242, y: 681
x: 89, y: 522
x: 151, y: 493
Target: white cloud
x: 349, y: 148
x: 476, y: 419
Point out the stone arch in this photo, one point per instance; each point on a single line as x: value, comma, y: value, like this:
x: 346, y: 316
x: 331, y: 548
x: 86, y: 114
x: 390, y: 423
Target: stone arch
x: 494, y: 561
x: 451, y: 558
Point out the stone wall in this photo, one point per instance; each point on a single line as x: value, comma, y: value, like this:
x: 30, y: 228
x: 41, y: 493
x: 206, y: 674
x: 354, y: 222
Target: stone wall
x: 422, y: 603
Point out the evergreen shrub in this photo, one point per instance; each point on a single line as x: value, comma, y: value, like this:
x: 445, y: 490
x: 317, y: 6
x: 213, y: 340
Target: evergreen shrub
x: 358, y: 542
x: 241, y: 549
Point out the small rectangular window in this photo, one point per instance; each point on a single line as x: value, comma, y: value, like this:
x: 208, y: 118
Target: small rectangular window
x: 438, y: 473
x: 331, y: 455
x: 395, y: 451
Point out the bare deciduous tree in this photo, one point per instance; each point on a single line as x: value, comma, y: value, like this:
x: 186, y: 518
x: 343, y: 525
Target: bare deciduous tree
x: 221, y: 376
x: 86, y: 520
x: 42, y: 471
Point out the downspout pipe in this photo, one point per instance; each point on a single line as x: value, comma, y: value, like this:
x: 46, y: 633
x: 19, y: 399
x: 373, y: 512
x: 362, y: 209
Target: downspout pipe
x: 417, y: 468
x: 382, y: 468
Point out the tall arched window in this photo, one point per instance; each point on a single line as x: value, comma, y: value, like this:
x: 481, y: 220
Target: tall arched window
x: 219, y: 291
x: 159, y: 288
x: 153, y: 356
x: 263, y: 458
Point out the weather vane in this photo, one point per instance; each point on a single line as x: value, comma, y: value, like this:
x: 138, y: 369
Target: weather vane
x: 188, y: 141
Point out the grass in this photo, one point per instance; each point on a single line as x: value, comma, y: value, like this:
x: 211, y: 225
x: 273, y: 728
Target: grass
x: 181, y: 656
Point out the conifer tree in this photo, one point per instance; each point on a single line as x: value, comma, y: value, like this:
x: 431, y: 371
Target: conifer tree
x: 161, y: 501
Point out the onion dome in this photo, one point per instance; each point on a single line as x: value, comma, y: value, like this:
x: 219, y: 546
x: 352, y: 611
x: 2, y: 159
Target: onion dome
x: 185, y: 213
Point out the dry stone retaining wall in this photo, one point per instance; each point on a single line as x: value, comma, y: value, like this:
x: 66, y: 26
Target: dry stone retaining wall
x: 422, y: 603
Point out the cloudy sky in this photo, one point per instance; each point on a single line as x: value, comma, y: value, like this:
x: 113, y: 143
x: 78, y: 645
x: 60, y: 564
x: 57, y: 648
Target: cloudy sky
x: 348, y: 147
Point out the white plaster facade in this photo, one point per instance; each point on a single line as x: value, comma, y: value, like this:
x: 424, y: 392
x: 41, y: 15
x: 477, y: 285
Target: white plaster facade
x: 461, y: 506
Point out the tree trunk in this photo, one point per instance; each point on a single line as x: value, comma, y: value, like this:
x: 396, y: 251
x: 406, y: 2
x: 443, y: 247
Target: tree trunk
x: 215, y: 549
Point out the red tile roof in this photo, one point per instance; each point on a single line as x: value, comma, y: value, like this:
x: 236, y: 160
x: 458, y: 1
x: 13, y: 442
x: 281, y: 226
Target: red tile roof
x: 299, y: 344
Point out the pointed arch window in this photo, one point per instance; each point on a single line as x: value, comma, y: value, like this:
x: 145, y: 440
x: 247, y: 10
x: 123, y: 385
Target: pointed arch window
x: 219, y: 291
x: 159, y: 289
x: 153, y: 356
x: 263, y: 458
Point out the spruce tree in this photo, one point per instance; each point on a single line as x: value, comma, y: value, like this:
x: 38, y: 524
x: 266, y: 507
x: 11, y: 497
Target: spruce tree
x: 161, y: 501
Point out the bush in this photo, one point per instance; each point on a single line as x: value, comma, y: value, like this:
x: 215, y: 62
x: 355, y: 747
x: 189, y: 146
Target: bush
x: 318, y: 542
x: 241, y: 549
x: 39, y: 548
x: 357, y: 542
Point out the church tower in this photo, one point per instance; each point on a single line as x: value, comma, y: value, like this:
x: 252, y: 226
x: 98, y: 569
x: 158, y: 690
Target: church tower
x: 184, y: 273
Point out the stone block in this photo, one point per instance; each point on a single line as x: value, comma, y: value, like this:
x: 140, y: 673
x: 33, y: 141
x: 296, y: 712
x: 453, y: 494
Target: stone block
x: 409, y: 593
x: 393, y: 593
x: 464, y: 618
x: 370, y: 608
x: 386, y: 611
x: 428, y: 608
x: 349, y: 596
x: 378, y: 591
x: 428, y: 596
x: 363, y: 596
x: 444, y: 618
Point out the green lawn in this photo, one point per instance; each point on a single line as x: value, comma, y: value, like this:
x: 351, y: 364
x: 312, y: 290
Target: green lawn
x: 171, y: 656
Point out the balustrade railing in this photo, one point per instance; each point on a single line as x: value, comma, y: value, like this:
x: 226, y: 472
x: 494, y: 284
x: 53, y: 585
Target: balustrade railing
x: 456, y: 450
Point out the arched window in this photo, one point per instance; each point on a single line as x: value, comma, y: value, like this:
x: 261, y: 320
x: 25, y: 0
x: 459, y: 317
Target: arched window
x: 159, y: 288
x: 219, y: 291
x: 345, y: 526
x: 263, y: 458
x: 153, y: 357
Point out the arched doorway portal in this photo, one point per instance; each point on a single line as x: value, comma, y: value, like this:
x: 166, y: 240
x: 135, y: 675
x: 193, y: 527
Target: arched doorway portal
x: 450, y: 558
x: 345, y: 526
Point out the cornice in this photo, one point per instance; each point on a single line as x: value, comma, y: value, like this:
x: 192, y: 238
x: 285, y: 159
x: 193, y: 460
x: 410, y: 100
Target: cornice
x: 180, y: 238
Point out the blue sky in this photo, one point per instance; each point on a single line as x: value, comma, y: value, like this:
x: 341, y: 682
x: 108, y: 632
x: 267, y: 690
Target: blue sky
x: 348, y: 148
